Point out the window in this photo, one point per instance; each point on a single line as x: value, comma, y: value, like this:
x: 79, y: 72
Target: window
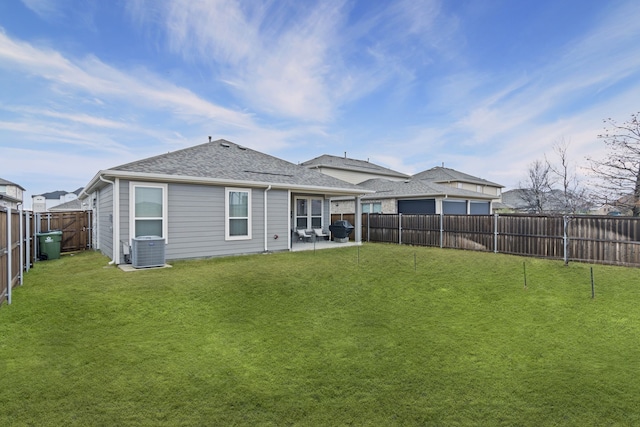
x: 238, y: 214
x: 308, y: 213
x: 375, y: 207
x: 149, y: 213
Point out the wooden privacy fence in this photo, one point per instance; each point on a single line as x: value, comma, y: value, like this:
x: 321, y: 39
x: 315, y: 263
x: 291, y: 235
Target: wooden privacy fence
x: 19, y: 241
x: 16, y: 244
x: 598, y: 239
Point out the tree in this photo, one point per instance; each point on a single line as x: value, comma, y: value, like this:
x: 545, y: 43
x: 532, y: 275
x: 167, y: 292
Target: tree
x: 572, y: 196
x: 535, y: 190
x: 619, y: 171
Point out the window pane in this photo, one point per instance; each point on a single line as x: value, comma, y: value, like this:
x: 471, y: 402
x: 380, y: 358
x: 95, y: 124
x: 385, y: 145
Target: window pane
x: 366, y: 208
x: 301, y: 223
x: 148, y: 202
x: 238, y: 227
x: 238, y: 204
x: 148, y: 227
x: 316, y: 207
x: 301, y: 207
x: 377, y: 207
x: 316, y: 222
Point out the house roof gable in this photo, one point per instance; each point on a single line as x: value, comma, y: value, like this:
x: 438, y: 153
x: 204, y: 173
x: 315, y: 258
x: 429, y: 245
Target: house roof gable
x: 355, y: 165
x: 441, y: 174
x: 385, y: 188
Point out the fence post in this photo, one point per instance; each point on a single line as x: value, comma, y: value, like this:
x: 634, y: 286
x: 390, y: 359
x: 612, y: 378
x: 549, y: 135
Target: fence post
x: 9, y: 251
x: 565, y: 239
x: 400, y: 228
x: 368, y: 226
x: 28, y: 239
x: 441, y: 230
x: 21, y: 244
x: 495, y: 233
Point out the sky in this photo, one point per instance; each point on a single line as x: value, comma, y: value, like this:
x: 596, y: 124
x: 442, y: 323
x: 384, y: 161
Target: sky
x: 483, y: 87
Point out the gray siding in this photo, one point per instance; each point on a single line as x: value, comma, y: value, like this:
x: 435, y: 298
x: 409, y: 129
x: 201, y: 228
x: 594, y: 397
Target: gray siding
x: 124, y: 216
x: 278, y: 217
x: 105, y: 220
x: 196, y: 225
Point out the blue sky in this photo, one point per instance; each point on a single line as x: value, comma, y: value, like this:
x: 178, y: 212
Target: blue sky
x: 485, y: 87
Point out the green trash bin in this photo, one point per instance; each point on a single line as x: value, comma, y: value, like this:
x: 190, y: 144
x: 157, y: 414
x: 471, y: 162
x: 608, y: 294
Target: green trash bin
x: 49, y: 244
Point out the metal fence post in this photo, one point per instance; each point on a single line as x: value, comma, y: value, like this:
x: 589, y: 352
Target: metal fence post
x: 495, y: 233
x: 441, y: 230
x: 565, y: 239
x: 9, y: 253
x: 400, y: 228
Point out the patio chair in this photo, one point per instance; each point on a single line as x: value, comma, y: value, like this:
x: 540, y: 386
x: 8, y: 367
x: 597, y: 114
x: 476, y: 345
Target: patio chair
x: 306, y: 237
x: 321, y: 234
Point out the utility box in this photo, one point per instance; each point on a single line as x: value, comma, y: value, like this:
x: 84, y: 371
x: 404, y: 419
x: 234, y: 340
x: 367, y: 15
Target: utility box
x: 49, y: 245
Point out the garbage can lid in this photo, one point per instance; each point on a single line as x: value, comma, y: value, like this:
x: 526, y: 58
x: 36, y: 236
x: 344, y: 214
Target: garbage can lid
x: 48, y: 233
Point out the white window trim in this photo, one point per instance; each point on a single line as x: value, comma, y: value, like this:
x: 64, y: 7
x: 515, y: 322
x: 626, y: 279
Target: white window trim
x: 310, y: 215
x: 132, y: 207
x: 227, y: 235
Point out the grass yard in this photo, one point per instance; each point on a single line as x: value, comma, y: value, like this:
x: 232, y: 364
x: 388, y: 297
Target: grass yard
x: 383, y: 335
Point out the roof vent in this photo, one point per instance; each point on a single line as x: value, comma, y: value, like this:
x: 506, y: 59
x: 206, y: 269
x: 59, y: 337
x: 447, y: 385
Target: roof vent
x: 240, y: 147
x: 225, y: 145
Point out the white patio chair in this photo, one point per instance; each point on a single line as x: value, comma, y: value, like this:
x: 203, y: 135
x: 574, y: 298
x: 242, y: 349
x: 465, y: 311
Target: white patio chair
x: 304, y: 235
x: 320, y: 233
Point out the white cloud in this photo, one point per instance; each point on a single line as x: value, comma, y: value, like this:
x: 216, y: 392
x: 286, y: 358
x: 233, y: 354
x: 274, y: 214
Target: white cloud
x: 90, y: 76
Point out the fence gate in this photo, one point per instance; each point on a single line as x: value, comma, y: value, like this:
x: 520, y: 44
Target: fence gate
x: 75, y: 227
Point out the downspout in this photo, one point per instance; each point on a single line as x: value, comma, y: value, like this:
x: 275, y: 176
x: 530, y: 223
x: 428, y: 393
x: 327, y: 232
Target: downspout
x: 115, y: 223
x: 266, y: 224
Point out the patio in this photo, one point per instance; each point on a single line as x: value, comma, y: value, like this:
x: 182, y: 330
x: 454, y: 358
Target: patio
x: 315, y: 244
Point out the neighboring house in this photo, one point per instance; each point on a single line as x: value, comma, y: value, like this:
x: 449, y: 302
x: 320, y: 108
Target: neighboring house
x: 352, y: 170
x: 72, y: 206
x: 420, y: 196
x: 213, y: 199
x: 46, y: 201
x: 552, y: 202
x: 11, y: 195
x: 434, y: 191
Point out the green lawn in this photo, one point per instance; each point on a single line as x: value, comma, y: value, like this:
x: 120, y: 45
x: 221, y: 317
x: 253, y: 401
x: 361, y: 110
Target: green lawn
x: 383, y: 335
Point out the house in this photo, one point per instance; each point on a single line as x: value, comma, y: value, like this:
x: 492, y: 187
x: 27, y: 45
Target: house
x: 46, y: 201
x: 421, y: 196
x: 433, y: 191
x: 70, y: 206
x: 11, y: 195
x: 213, y: 199
x: 352, y: 170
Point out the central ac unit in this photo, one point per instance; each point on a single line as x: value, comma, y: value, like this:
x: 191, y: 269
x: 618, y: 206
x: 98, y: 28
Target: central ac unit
x: 147, y: 251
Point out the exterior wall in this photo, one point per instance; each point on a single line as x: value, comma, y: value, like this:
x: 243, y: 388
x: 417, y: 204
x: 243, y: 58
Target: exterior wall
x: 484, y: 189
x: 38, y: 204
x: 196, y: 222
x: 104, y: 220
x: 343, y: 206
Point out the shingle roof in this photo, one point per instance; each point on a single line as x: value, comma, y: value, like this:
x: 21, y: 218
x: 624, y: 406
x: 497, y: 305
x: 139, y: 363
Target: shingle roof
x: 345, y: 163
x: 442, y: 174
x: 73, y: 205
x: 225, y: 160
x: 385, y: 188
